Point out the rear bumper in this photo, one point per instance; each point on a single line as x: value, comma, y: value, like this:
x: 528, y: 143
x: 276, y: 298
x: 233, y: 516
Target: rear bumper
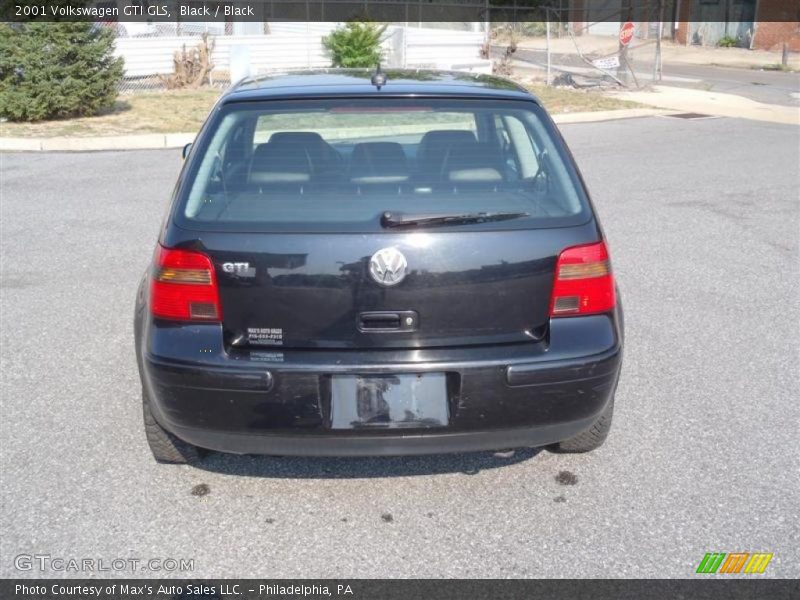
x: 278, y: 402
x: 381, y: 445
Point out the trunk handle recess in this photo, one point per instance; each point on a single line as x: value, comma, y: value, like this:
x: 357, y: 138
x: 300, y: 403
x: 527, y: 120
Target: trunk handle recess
x: 384, y: 321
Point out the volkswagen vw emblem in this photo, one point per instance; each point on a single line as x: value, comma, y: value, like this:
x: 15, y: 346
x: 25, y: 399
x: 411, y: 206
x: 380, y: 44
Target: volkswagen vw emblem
x: 388, y: 266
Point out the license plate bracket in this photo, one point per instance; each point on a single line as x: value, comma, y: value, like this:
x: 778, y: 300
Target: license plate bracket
x: 398, y: 401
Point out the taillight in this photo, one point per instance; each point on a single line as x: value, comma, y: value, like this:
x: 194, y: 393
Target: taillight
x: 184, y: 286
x: 584, y: 283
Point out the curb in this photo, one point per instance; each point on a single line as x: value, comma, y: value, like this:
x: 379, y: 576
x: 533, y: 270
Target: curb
x: 153, y: 141
x: 149, y: 141
x: 608, y: 115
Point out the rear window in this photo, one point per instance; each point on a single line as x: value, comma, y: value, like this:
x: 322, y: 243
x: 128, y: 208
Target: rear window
x: 338, y: 165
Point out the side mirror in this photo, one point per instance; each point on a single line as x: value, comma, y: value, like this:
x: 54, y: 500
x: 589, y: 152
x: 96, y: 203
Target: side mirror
x: 186, y: 149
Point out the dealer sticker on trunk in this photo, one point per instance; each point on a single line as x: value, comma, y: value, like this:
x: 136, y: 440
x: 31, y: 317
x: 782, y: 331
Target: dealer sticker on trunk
x: 265, y: 336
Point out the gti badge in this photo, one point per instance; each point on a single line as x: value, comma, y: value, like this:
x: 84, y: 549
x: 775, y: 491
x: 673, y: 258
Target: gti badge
x: 240, y: 269
x: 388, y: 266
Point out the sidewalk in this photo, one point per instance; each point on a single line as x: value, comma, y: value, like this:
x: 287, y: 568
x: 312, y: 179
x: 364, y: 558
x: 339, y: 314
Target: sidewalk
x: 714, y: 103
x: 671, y: 53
x: 538, y: 72
x: 723, y: 57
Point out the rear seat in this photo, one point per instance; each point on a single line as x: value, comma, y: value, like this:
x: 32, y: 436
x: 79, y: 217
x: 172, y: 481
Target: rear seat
x: 452, y: 160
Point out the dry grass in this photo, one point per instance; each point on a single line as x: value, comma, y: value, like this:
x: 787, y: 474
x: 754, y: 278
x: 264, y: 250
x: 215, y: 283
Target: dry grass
x: 776, y: 67
x: 158, y: 112
x: 565, y: 100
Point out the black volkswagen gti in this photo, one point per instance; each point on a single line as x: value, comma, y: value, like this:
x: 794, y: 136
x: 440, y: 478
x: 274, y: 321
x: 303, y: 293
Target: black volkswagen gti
x: 355, y: 266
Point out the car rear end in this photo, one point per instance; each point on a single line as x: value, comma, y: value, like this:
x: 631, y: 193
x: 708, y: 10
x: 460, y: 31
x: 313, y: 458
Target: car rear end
x: 377, y: 274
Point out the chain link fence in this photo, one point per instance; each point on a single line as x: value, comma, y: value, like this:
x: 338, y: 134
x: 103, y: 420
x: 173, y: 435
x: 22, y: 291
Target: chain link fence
x: 149, y: 50
x: 586, y: 54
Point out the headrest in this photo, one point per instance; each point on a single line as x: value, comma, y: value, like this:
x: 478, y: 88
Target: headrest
x: 280, y: 164
x: 434, y: 144
x: 378, y: 162
x: 296, y: 137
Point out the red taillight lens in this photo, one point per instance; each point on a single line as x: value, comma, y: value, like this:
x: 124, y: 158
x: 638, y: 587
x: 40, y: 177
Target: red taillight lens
x: 584, y: 284
x: 184, y: 286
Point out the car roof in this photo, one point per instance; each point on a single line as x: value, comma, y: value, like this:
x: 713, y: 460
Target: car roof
x: 357, y: 82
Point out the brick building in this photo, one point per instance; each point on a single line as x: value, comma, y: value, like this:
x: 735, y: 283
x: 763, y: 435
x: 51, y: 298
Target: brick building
x: 759, y: 24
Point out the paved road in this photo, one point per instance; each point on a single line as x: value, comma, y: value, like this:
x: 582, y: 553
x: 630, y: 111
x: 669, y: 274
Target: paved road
x: 770, y: 87
x: 703, y: 223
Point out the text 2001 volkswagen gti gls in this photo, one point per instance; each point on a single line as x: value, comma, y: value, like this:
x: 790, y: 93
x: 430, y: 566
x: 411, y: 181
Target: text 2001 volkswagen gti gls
x: 356, y: 266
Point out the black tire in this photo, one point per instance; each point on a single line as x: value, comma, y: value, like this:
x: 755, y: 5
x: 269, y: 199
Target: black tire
x: 166, y: 448
x: 588, y: 440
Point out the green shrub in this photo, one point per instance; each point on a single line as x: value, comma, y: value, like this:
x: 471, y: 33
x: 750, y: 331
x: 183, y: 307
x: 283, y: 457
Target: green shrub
x: 56, y: 70
x: 727, y: 41
x: 356, y: 44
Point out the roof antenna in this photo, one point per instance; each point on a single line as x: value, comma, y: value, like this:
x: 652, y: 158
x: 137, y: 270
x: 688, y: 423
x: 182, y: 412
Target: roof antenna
x: 379, y: 78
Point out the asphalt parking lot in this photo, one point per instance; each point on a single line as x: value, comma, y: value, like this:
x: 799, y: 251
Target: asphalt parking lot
x: 703, y: 220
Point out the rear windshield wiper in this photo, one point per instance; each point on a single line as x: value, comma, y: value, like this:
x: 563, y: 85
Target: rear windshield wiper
x: 390, y: 219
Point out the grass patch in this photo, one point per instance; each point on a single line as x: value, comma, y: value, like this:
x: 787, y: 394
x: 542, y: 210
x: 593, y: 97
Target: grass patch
x: 158, y: 112
x: 183, y: 111
x: 565, y: 100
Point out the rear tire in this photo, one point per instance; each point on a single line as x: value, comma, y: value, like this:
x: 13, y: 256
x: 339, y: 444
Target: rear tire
x: 592, y: 438
x: 167, y: 448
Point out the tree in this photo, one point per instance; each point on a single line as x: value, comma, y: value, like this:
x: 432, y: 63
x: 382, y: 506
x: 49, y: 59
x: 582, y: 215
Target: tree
x: 356, y: 44
x: 57, y: 70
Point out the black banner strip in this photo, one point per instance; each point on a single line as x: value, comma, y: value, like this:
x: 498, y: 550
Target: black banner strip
x: 701, y: 588
x: 230, y: 11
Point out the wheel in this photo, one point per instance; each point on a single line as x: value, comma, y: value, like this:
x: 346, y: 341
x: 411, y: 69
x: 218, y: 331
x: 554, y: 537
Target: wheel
x: 592, y: 438
x: 166, y: 448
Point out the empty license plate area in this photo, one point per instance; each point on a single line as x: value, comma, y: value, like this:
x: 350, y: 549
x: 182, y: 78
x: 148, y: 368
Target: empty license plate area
x: 407, y: 400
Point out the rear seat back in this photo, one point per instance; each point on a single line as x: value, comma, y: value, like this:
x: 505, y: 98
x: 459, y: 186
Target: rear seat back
x: 433, y: 148
x: 323, y: 157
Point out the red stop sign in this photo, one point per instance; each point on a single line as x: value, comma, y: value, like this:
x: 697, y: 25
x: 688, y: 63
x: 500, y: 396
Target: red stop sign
x: 626, y: 33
